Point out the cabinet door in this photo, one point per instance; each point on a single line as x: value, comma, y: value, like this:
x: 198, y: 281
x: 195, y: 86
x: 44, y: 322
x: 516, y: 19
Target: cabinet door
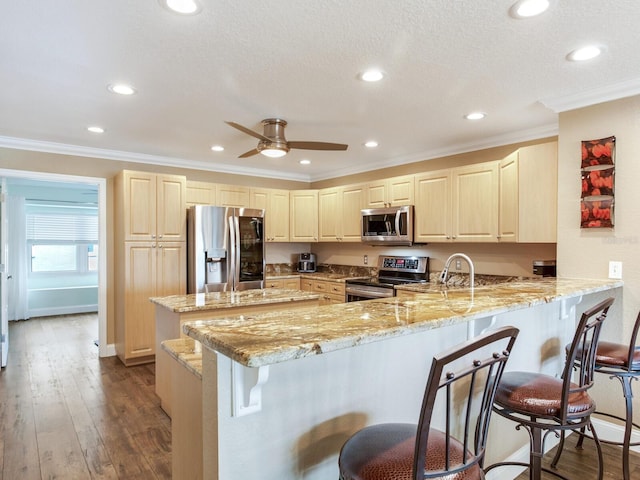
x: 292, y: 283
x: 538, y: 193
x: 140, y: 284
x: 171, y: 207
x: 475, y: 203
x: 400, y: 190
x: 353, y: 200
x: 433, y: 207
x: 329, y: 214
x: 200, y: 193
x: 139, y: 205
x: 278, y: 223
x: 232, y: 196
x: 377, y: 194
x: 304, y: 216
x: 171, y: 268
x: 508, y: 199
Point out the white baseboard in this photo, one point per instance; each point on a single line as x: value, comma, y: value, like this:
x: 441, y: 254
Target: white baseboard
x: 612, y: 431
x: 110, y: 350
x: 54, y: 311
x: 606, y: 430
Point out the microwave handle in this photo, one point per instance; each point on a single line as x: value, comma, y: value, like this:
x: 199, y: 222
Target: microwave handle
x: 398, y: 231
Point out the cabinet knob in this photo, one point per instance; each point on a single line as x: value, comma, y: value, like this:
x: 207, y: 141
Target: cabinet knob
x: 159, y: 245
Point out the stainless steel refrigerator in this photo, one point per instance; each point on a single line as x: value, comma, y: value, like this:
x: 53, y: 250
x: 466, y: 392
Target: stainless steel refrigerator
x: 225, y: 249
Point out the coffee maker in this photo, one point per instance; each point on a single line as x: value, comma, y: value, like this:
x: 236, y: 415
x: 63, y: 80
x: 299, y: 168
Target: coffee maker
x: 306, y: 262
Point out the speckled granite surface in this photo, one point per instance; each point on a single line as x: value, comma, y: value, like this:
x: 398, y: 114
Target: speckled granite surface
x: 187, y: 351
x: 218, y: 300
x: 264, y: 339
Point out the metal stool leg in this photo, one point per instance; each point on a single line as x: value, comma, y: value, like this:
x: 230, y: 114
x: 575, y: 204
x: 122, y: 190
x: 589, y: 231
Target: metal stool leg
x: 628, y: 424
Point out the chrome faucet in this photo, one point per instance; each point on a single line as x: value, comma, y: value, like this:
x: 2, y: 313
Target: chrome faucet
x: 445, y: 271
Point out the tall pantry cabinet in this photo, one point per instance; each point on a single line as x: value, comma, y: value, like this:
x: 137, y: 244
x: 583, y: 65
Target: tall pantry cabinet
x: 150, y: 256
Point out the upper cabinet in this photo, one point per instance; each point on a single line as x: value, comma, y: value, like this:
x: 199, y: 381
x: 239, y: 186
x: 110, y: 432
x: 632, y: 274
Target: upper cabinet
x: 200, y: 193
x: 458, y: 204
x: 275, y: 203
x: 232, y: 196
x: 303, y: 215
x: 339, y: 213
x: 389, y: 192
x: 529, y: 195
x: 153, y: 206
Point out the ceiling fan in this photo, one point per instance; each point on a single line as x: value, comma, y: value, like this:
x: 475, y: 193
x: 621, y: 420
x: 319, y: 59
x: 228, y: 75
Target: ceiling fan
x: 273, y: 144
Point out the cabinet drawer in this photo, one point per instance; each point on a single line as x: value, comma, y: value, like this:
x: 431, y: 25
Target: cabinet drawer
x: 274, y: 284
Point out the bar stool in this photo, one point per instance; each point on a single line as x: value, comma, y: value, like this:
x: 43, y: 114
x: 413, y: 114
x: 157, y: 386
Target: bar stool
x: 619, y: 361
x: 405, y: 451
x: 543, y: 404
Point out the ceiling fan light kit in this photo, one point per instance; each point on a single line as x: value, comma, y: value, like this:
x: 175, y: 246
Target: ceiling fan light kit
x: 273, y: 142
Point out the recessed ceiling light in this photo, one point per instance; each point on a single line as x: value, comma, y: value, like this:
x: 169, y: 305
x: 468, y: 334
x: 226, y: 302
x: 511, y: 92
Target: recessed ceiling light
x: 95, y: 129
x: 475, y: 116
x: 217, y: 148
x: 372, y: 75
x: 371, y: 144
x: 528, y: 8
x: 305, y: 162
x: 585, y: 53
x: 121, y: 89
x: 183, y: 7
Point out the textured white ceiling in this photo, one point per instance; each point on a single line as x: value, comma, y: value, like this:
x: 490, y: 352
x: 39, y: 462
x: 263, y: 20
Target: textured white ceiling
x: 244, y: 61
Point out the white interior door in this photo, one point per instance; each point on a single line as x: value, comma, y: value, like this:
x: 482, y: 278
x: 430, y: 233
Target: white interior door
x: 4, y: 307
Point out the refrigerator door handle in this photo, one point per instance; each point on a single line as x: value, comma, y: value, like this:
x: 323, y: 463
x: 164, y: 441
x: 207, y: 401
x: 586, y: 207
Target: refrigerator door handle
x: 232, y: 253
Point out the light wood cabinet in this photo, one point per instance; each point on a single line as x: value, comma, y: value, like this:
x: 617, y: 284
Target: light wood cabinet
x: 153, y: 206
x: 457, y: 205
x: 303, y: 215
x: 339, y: 213
x: 528, y: 195
x: 150, y: 256
x: 390, y: 192
x: 332, y: 292
x: 200, y: 193
x: 276, y: 206
x: 286, y: 283
x: 232, y: 196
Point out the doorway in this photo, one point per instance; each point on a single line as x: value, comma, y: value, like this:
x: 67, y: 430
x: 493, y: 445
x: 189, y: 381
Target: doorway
x: 94, y: 183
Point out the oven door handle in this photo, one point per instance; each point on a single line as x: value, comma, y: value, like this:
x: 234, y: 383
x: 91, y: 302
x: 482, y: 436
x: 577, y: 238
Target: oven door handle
x: 367, y: 294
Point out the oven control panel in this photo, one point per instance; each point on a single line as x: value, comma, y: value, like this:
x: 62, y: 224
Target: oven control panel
x: 403, y: 264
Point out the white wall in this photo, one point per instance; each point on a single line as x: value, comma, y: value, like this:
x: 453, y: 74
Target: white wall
x: 586, y: 252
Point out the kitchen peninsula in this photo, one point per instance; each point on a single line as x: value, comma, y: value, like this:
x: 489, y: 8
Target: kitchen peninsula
x: 283, y: 390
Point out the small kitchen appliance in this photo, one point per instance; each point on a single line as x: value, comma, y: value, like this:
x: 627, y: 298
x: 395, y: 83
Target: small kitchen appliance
x: 392, y: 271
x: 307, y: 262
x: 546, y: 268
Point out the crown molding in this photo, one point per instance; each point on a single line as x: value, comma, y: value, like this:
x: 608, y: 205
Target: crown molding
x: 544, y: 131
x: 80, y: 151
x: 587, y: 98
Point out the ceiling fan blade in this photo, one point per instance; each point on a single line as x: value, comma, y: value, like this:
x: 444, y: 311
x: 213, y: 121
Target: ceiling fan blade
x: 250, y: 153
x: 247, y: 131
x: 317, y: 145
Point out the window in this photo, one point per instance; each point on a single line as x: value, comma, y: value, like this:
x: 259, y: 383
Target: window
x: 63, y: 240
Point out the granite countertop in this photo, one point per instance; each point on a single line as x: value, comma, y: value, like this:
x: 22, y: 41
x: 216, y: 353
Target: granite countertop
x: 218, y: 300
x: 330, y: 276
x: 268, y: 338
x: 186, y: 351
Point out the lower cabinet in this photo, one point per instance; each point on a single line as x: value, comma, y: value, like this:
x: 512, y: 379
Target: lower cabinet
x: 332, y: 292
x: 150, y: 269
x: 287, y: 283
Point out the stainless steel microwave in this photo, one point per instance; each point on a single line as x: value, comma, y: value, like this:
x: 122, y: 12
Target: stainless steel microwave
x: 387, y: 226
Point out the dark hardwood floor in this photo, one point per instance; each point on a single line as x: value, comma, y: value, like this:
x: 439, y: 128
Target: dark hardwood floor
x: 67, y: 414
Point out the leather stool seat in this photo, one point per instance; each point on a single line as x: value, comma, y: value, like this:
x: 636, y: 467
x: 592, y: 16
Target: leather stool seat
x: 539, y: 395
x: 385, y: 452
x: 617, y: 355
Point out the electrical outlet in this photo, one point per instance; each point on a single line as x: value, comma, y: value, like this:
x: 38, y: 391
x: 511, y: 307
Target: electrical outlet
x: 615, y: 270
x: 366, y: 259
x: 458, y: 264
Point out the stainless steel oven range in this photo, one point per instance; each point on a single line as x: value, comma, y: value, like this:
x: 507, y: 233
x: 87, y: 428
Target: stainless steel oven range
x: 392, y: 271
